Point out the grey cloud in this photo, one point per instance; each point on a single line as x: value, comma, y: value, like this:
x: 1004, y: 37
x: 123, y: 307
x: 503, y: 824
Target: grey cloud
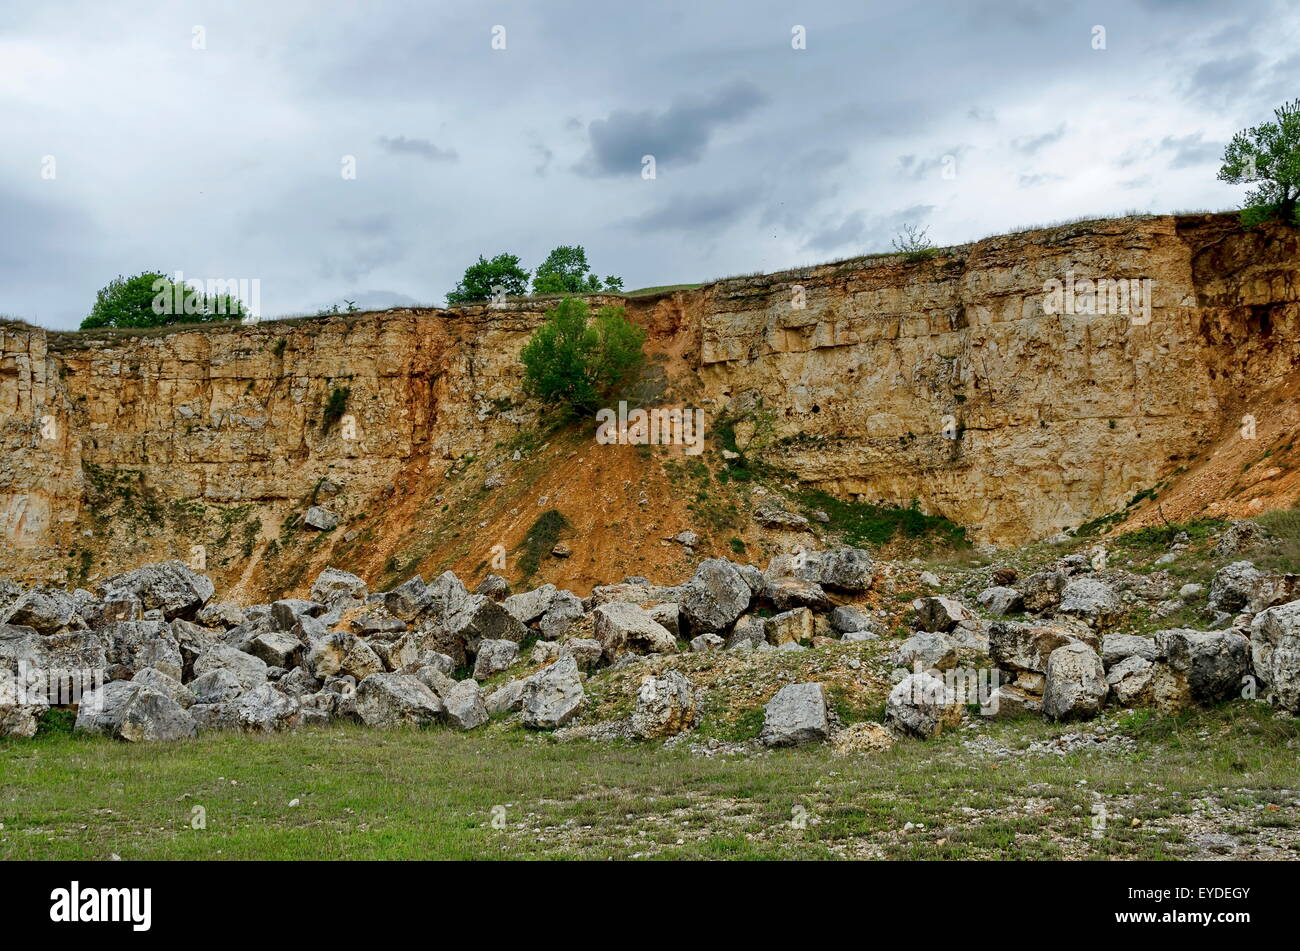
x: 705, y: 213
x: 421, y: 148
x: 1191, y: 150
x: 678, y: 135
x: 1030, y: 144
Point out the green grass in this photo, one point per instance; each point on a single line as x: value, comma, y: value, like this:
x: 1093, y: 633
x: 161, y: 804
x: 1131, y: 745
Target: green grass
x: 541, y: 538
x: 862, y: 524
x: 433, y: 794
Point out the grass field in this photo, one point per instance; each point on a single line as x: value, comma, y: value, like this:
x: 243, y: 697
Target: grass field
x: 1162, y: 784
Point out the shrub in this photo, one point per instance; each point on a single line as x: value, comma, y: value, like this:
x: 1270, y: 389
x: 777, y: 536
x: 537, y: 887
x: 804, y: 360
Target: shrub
x: 151, y: 299
x: 1267, y: 155
x: 574, y: 361
x: 484, y: 278
x: 565, y: 271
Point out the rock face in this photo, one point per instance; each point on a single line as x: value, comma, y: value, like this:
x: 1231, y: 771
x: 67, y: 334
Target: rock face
x: 212, y: 413
x: 795, y: 716
x: 553, y: 696
x: 1275, y: 652
x: 665, y: 706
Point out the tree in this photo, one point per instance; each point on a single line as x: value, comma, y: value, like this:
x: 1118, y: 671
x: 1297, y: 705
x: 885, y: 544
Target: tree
x: 565, y: 271
x: 484, y: 279
x: 1267, y: 154
x: 575, y: 361
x: 152, y: 299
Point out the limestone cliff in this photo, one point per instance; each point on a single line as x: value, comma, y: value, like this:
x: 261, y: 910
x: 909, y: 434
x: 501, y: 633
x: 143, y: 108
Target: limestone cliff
x: 944, y: 380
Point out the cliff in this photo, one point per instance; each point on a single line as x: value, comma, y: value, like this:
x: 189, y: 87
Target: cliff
x: 946, y: 380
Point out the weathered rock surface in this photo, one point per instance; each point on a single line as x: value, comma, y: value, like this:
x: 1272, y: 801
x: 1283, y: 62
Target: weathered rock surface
x: 923, y: 705
x: 388, y: 700
x: 665, y: 706
x: 1275, y: 653
x: 1076, y: 682
x: 553, y: 696
x: 795, y: 716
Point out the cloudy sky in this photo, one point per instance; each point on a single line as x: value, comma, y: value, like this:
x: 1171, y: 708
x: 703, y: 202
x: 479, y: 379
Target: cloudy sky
x: 213, y: 137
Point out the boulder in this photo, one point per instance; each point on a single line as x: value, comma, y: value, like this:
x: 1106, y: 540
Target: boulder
x: 134, y: 713
x: 1275, y: 653
x: 848, y: 619
x: 250, y: 671
x: 1130, y: 680
x: 287, y: 613
x: 222, y: 614
x: 465, y: 707
x: 787, y: 593
x: 21, y: 705
x: 529, y: 606
x: 320, y: 518
x: 408, y: 599
x: 1021, y: 646
x: 341, y: 653
x: 493, y: 657
x: 796, y: 625
x: 796, y: 715
x: 264, y: 709
x: 387, y: 700
x: 170, y: 586
x: 923, y: 705
x: 938, y: 614
x: 925, y: 650
x: 707, y: 642
x: 1001, y: 600
x: 478, y: 618
x: 275, y: 648
x: 507, y: 698
x: 848, y: 569
x: 1199, y: 667
x: 1041, y: 592
x: 714, y: 597
x: 620, y: 626
x: 1076, y: 682
x: 554, y: 695
x: 216, y: 686
x: 165, y: 684
x: 1116, y: 647
x: 665, y: 706
x: 1091, y: 600
x: 445, y: 594
x: 44, y: 610
x: 334, y: 585
x: 494, y: 587
x: 750, y: 631
x: 565, y: 608
x: 1241, y: 588
x: 668, y: 614
x: 586, y: 652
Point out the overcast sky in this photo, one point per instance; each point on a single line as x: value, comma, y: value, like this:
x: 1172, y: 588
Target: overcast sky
x: 210, y: 137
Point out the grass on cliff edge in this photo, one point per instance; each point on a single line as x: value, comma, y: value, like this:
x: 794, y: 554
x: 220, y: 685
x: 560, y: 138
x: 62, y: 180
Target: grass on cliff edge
x: 431, y: 794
